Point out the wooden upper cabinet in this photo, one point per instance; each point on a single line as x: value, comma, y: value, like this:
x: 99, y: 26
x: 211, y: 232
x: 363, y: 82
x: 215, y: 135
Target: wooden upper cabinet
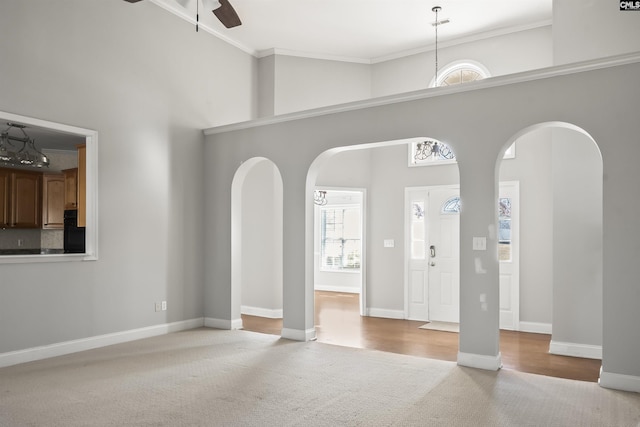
x: 26, y: 199
x: 70, y: 188
x: 82, y: 185
x: 5, y: 198
x: 53, y: 201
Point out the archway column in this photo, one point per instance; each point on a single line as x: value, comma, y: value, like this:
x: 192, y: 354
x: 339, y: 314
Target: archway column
x: 479, y: 345
x: 298, y: 300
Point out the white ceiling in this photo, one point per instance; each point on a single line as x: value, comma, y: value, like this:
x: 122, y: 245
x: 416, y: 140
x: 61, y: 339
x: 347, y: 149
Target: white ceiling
x: 360, y: 30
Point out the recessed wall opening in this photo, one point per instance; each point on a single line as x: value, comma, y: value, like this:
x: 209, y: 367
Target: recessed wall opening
x: 257, y: 230
x: 49, y: 212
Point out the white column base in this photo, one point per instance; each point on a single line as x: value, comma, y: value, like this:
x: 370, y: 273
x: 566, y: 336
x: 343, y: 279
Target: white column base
x: 210, y: 322
x: 480, y: 361
x: 298, y: 334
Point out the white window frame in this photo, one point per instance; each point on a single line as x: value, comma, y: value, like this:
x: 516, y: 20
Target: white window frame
x: 91, y: 233
x: 334, y: 207
x: 457, y: 66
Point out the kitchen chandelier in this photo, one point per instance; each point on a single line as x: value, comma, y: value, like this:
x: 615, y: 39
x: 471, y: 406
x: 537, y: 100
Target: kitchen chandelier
x: 15, y: 155
x: 320, y: 197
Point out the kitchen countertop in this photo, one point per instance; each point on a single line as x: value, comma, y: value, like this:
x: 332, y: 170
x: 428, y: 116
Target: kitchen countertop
x: 34, y: 251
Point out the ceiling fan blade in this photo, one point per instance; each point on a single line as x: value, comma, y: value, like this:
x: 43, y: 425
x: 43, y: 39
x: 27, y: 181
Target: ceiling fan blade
x: 133, y: 1
x: 226, y: 14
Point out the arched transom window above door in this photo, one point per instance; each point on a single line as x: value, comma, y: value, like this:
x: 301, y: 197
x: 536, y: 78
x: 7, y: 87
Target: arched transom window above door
x: 461, y: 72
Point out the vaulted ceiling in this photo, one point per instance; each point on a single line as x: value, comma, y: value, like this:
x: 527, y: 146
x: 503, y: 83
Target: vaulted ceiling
x: 360, y: 30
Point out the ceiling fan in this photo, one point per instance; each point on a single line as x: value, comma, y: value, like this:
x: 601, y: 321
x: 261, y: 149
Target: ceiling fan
x: 225, y: 13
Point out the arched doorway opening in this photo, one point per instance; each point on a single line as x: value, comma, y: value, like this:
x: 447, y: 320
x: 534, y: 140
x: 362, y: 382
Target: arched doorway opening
x: 256, y: 240
x: 386, y: 170
x: 559, y: 170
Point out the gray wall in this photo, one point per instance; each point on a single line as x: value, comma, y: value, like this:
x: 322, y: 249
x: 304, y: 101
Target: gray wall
x: 584, y: 30
x: 303, y: 83
x: 577, y: 238
x: 142, y: 79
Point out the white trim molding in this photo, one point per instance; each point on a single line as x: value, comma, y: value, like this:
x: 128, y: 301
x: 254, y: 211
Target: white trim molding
x: 271, y: 313
x: 385, y: 313
x: 535, y: 327
x: 299, y: 334
x: 74, y: 346
x: 619, y: 381
x: 210, y: 322
x: 480, y: 361
x: 575, y: 350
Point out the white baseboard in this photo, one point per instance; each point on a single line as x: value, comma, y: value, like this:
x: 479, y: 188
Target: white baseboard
x: 619, y: 381
x: 74, y: 346
x: 210, y: 322
x: 385, y: 313
x: 575, y: 350
x: 261, y: 312
x: 330, y: 288
x: 480, y: 361
x: 535, y: 327
x: 298, y: 334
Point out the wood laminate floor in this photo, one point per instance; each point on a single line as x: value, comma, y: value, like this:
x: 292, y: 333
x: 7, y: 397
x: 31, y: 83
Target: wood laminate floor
x: 338, y: 322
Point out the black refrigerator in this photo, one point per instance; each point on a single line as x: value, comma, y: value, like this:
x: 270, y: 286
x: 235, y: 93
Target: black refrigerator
x: 73, y: 235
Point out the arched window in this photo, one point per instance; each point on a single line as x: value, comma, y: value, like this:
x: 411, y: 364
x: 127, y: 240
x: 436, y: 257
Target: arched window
x: 430, y: 152
x: 461, y: 72
x: 451, y: 206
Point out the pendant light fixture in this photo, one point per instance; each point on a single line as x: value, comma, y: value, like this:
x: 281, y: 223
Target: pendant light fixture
x: 320, y: 197
x: 15, y: 155
x: 436, y: 24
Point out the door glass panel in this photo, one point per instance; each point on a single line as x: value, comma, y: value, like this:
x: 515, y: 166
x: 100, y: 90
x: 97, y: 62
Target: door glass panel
x: 504, y: 229
x: 418, y: 244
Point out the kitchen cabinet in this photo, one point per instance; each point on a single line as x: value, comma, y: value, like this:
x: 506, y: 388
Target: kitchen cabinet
x: 20, y: 198
x: 70, y: 188
x: 5, y: 198
x: 53, y: 201
x: 82, y: 185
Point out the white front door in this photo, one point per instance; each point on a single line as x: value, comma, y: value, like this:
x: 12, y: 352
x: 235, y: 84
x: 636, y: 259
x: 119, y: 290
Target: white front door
x: 444, y: 255
x: 433, y: 236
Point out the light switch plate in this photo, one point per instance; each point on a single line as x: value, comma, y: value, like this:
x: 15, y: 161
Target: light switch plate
x: 479, y: 243
x: 389, y: 243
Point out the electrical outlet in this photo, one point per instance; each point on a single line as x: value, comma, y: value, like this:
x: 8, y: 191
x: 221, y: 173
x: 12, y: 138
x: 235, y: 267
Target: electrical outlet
x: 20, y: 242
x: 158, y: 306
x: 164, y: 306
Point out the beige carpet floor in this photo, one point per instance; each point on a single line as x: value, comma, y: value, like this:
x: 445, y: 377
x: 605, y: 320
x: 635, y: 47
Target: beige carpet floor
x: 208, y: 377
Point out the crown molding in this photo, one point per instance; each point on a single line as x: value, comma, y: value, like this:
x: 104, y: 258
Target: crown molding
x: 311, y: 55
x: 463, y: 40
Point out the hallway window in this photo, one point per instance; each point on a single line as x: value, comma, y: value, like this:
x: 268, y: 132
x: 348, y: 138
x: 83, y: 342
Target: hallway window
x: 340, y: 238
